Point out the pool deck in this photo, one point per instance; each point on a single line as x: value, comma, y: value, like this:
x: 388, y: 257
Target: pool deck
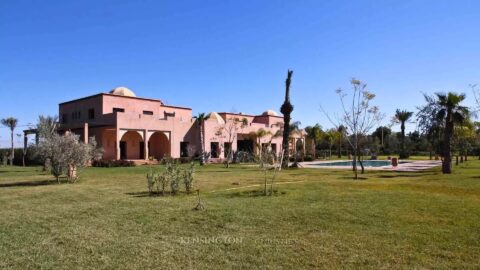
x: 410, y: 166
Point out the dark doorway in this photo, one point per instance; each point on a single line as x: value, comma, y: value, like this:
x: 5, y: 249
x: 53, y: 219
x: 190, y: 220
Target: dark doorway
x: 245, y: 146
x: 142, y: 150
x: 123, y: 150
x: 183, y: 149
x: 214, y: 149
x: 227, y: 148
x: 274, y: 148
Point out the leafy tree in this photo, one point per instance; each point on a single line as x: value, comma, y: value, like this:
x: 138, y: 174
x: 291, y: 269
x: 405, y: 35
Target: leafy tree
x: 11, y: 123
x: 430, y: 123
x: 331, y: 136
x: 381, y: 133
x: 67, y: 153
x: 402, y: 116
x: 451, y: 110
x: 286, y: 110
x: 200, y: 122
x: 315, y: 134
x: 47, y: 126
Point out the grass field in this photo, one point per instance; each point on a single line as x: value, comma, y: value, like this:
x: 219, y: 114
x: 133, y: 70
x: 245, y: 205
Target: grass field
x: 322, y: 220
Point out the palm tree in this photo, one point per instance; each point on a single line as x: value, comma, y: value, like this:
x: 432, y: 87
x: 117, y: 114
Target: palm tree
x: 11, y: 123
x: 450, y: 110
x: 286, y: 110
x: 402, y: 117
x: 200, y: 121
x: 258, y: 135
x: 315, y: 134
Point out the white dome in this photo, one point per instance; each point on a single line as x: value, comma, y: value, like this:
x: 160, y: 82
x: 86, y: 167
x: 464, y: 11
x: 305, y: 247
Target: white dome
x: 270, y: 112
x: 122, y: 91
x: 215, y: 116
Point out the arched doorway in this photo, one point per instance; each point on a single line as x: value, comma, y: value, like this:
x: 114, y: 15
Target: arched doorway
x: 132, y: 146
x: 158, y: 145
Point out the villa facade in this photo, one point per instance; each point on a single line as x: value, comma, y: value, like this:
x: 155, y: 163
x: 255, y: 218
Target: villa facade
x: 134, y: 128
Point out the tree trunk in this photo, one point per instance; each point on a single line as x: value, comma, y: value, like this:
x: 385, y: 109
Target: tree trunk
x: 339, y: 154
x: 12, y: 154
x: 447, y: 155
x: 202, y: 145
x: 456, y: 160
x: 461, y: 158
x: 361, y: 165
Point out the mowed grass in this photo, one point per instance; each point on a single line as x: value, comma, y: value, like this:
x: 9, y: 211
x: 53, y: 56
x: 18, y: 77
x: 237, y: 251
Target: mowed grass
x: 319, y: 218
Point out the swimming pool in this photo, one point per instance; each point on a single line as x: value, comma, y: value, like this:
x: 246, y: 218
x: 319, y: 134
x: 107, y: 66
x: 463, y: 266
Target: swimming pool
x: 366, y: 163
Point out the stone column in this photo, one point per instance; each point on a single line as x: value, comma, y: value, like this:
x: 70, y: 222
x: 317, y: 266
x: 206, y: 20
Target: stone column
x: 117, y: 144
x: 85, y: 133
x: 145, y: 144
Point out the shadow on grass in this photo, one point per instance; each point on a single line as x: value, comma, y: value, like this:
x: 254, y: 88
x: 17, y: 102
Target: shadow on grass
x: 352, y: 178
x: 409, y: 175
x: 13, y: 171
x: 28, y: 183
x: 145, y: 194
x: 253, y: 193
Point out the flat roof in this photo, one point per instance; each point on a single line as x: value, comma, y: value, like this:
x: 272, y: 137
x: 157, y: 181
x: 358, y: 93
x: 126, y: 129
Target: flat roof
x: 112, y: 95
x: 251, y: 115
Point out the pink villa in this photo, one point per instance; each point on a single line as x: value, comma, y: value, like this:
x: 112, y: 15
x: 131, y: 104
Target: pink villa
x: 134, y: 128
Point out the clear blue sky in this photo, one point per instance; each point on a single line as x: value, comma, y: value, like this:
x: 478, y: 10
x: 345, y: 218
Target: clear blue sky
x: 224, y: 55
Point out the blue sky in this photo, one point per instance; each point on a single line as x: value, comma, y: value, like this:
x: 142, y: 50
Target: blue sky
x: 234, y: 55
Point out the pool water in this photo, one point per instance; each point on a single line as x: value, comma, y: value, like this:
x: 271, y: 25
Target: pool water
x: 366, y: 163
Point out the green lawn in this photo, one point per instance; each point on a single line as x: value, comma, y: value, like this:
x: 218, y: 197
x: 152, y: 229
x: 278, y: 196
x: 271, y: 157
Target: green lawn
x: 325, y: 220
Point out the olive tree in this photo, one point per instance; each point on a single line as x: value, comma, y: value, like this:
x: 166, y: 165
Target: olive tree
x: 67, y: 153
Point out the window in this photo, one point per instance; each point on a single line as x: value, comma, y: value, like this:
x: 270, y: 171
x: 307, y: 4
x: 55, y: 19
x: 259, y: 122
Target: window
x: 118, y: 110
x: 91, y: 114
x: 64, y: 118
x: 183, y: 149
x: 147, y: 112
x: 214, y: 149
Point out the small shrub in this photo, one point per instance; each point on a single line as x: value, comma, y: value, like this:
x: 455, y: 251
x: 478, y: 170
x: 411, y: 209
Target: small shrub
x: 171, y: 178
x: 112, y: 163
x: 308, y: 158
x: 188, y: 176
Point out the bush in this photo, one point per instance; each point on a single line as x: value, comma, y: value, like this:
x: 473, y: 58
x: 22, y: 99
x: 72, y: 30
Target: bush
x: 308, y: 158
x: 106, y: 163
x: 243, y: 157
x: 188, y: 176
x: 157, y: 182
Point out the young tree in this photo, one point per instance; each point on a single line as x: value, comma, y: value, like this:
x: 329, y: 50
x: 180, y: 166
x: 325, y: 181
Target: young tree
x: 286, y: 110
x: 230, y: 130
x: 314, y: 133
x: 451, y: 110
x: 401, y: 117
x: 200, y: 121
x: 359, y: 116
x: 11, y: 123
